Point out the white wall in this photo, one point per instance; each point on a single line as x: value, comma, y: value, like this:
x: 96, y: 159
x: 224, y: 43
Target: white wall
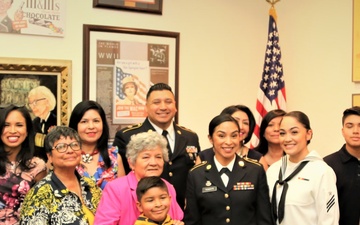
x: 222, y: 47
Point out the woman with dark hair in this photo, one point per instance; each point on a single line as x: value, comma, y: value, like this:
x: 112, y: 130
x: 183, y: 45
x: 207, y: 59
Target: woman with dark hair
x: 99, y: 162
x: 269, y: 144
x: 246, y: 121
x: 227, y: 189
x: 19, y: 169
x: 302, y: 185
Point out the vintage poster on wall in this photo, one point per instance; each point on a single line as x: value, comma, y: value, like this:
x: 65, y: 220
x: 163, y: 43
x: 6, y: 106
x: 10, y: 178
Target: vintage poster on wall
x: 36, y: 17
x: 120, y: 65
x: 131, y: 82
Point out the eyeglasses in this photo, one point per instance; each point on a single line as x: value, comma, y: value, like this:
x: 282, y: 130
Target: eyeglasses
x: 62, y: 147
x: 35, y: 102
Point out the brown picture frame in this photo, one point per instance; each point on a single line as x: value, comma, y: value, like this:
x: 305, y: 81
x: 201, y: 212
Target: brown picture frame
x: 143, y: 6
x: 43, y: 68
x: 98, y: 85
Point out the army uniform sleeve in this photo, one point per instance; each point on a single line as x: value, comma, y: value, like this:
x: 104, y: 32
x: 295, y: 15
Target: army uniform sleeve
x: 192, y: 214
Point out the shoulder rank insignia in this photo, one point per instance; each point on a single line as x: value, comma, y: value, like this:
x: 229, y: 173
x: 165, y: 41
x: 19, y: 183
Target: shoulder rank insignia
x: 203, y: 163
x: 253, y: 161
x: 132, y: 127
x: 184, y: 128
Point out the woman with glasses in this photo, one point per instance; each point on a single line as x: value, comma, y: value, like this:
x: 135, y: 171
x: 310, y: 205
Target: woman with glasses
x: 63, y: 196
x: 19, y: 170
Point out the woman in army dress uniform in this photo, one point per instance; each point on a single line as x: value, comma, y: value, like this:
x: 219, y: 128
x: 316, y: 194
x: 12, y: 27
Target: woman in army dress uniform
x: 239, y: 195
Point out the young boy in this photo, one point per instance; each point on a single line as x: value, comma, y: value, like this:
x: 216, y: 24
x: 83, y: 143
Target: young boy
x: 153, y: 202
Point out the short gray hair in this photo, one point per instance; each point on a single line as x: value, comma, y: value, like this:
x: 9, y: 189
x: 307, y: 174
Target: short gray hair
x: 56, y: 133
x: 146, y: 141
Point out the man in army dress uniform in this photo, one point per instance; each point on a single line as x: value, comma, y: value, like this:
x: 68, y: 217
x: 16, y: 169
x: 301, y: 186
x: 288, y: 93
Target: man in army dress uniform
x: 183, y: 144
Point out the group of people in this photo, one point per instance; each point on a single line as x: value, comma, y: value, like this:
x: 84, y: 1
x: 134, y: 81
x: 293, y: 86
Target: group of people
x: 156, y: 173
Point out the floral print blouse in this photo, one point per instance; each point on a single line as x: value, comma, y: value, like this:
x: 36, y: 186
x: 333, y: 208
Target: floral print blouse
x: 50, y: 202
x: 14, y: 185
x: 102, y: 175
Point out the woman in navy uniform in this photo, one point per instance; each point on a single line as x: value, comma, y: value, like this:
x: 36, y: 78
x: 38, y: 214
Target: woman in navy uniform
x: 238, y: 196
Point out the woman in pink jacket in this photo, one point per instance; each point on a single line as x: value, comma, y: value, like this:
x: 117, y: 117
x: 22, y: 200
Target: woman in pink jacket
x: 146, y: 153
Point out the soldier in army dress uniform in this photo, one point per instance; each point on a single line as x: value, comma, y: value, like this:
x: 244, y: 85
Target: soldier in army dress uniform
x: 183, y: 143
x: 227, y: 189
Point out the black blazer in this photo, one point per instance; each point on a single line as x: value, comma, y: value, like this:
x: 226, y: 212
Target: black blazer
x: 51, y: 121
x: 245, y: 200
x: 180, y: 162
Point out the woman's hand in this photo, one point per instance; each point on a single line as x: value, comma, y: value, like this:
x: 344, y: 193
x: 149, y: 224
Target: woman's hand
x: 178, y: 222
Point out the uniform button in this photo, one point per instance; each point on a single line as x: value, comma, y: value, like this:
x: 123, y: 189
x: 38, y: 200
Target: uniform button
x: 227, y: 208
x: 170, y: 174
x: 227, y: 220
x: 170, y: 163
x: 226, y: 195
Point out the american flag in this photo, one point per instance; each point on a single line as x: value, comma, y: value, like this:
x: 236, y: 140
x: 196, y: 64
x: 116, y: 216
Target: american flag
x: 142, y: 89
x: 271, y: 94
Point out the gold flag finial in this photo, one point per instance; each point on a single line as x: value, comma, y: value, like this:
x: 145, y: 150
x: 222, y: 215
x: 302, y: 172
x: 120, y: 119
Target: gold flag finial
x: 273, y: 2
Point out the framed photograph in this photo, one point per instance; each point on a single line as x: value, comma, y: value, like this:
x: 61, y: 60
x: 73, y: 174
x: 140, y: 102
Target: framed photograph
x: 119, y: 66
x: 22, y: 80
x: 356, y: 41
x: 145, y: 6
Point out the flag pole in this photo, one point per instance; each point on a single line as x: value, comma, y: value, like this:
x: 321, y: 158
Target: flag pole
x: 272, y: 2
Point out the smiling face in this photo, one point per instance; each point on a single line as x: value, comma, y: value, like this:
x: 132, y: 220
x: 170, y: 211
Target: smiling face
x: 244, y: 123
x: 161, y: 108
x: 155, y: 204
x: 271, y: 133
x: 226, y: 141
x: 90, y: 127
x: 14, y: 132
x: 294, y: 138
x: 68, y: 159
x: 148, y: 163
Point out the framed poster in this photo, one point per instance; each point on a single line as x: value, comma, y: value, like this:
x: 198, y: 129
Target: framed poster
x: 145, y: 6
x: 120, y: 64
x: 46, y: 17
x: 19, y: 77
x: 356, y: 41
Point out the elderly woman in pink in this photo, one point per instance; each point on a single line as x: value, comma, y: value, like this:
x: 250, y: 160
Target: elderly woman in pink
x: 146, y: 153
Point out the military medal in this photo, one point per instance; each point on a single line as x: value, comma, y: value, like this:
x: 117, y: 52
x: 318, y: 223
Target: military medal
x: 208, y: 183
x: 192, y: 151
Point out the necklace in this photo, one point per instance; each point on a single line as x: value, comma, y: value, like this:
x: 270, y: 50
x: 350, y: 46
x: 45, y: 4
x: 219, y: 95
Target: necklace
x: 86, y: 157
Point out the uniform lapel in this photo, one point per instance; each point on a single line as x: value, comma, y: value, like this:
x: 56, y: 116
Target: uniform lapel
x: 212, y: 174
x: 180, y: 142
x: 147, y: 125
x: 237, y: 173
